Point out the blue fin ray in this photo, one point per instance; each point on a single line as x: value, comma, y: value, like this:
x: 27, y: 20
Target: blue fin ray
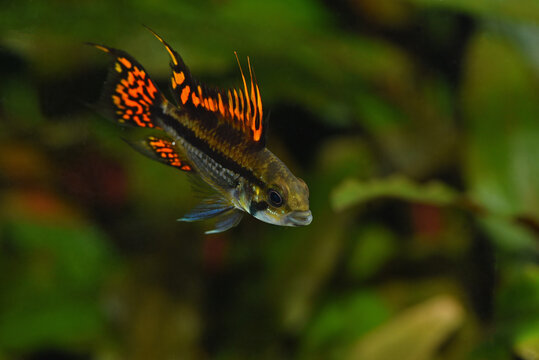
x: 209, y: 207
x: 226, y: 220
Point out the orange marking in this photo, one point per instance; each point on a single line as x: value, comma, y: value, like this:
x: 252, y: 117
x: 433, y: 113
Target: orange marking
x: 245, y: 89
x: 206, y: 105
x: 126, y: 62
x: 257, y: 133
x: 102, y: 48
x: 173, y: 83
x: 179, y: 77
x: 237, y: 109
x: 253, y: 95
x: 185, y: 94
x: 130, y: 102
x: 259, y: 104
x: 242, y: 107
x: 257, y: 128
x: 152, y: 90
x: 139, y: 73
x: 130, y: 78
x: 133, y: 92
x: 137, y: 120
x: 220, y: 103
x: 186, y: 168
x: 172, y: 55
x: 139, y: 90
x: 195, y: 99
x: 230, y: 105
x: 154, y: 142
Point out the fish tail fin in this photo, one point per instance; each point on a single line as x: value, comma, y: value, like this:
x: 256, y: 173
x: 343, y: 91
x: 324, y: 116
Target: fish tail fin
x: 129, y: 95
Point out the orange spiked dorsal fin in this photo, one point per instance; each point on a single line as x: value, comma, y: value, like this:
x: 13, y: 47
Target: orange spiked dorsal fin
x: 257, y: 123
x: 247, y: 110
x: 241, y: 108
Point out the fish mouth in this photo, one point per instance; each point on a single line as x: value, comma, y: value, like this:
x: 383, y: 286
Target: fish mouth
x: 299, y: 218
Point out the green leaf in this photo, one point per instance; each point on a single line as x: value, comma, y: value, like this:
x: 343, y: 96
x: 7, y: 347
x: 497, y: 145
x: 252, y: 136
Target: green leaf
x: 501, y: 108
x: 374, y: 246
x: 353, y: 192
x: 518, y: 301
x: 521, y: 10
x: 527, y: 347
x: 50, y: 279
x: 415, y: 334
x: 341, y: 321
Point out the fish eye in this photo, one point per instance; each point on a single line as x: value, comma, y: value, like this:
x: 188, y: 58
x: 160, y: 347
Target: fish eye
x: 275, y: 198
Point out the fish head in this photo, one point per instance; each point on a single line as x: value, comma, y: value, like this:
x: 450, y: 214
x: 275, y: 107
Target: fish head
x: 283, y: 200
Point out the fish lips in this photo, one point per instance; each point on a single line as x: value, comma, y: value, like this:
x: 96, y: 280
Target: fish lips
x: 299, y: 218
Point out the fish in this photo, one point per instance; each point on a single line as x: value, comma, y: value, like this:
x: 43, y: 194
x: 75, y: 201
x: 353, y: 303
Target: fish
x: 217, y: 137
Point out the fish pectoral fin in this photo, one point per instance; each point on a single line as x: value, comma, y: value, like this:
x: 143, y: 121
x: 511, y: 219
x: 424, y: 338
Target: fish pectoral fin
x: 162, y: 149
x: 226, y: 220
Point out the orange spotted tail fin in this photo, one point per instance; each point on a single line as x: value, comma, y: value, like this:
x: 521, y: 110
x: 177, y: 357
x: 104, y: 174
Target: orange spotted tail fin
x: 129, y: 95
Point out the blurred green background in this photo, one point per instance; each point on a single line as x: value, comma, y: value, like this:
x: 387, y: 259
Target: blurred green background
x: 415, y: 124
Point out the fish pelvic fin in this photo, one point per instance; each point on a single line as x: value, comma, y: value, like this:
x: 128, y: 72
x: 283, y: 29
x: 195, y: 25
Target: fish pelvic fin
x: 226, y: 220
x: 217, y: 208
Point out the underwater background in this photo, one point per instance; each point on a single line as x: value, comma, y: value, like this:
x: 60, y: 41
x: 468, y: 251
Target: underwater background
x: 415, y: 124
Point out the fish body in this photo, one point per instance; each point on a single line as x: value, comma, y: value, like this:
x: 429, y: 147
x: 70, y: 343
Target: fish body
x: 216, y: 136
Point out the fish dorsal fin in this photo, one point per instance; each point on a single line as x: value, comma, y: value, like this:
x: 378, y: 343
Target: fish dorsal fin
x: 241, y: 108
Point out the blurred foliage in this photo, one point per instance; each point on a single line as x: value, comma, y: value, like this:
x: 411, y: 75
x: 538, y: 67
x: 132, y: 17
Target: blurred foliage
x: 352, y: 191
x: 414, y: 123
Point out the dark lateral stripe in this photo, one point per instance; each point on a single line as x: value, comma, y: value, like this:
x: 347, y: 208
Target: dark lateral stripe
x: 203, y: 146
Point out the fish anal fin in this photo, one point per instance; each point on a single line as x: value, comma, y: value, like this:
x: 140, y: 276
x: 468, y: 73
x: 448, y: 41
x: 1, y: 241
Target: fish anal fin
x: 162, y: 149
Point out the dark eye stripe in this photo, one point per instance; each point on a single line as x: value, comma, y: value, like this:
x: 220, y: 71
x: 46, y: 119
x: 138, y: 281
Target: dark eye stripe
x: 257, y: 206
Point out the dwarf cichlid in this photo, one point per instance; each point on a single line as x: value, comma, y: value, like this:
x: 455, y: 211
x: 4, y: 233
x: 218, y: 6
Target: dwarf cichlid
x: 218, y: 137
